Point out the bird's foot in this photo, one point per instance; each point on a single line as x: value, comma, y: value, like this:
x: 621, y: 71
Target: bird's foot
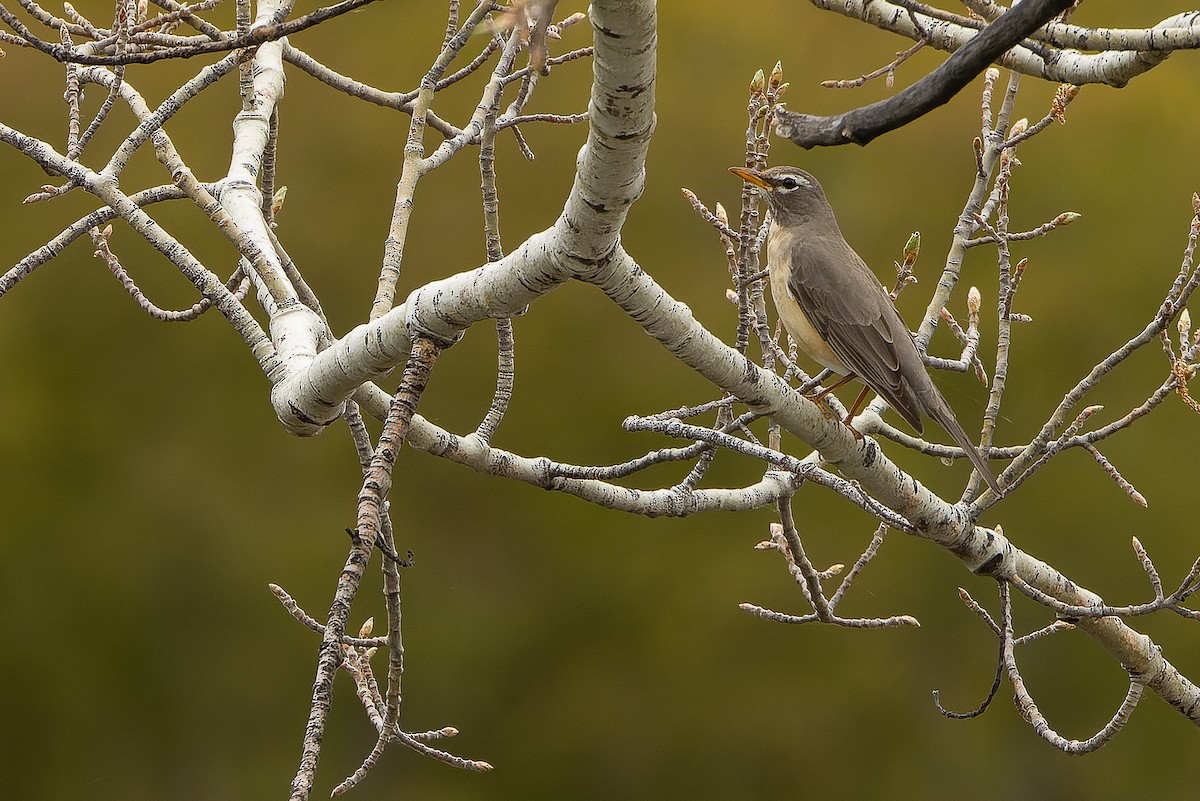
x: 830, y: 414
x: 824, y: 408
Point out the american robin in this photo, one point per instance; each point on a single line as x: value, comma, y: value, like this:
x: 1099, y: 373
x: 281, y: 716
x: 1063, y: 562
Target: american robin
x: 837, y: 311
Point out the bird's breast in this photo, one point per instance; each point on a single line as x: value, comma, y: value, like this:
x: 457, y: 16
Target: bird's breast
x: 790, y: 312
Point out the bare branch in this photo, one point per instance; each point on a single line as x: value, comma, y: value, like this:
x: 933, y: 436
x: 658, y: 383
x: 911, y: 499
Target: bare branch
x: 257, y: 35
x: 862, y: 125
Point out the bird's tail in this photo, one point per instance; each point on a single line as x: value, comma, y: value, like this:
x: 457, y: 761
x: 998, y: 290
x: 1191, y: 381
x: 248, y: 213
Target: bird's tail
x: 946, y: 419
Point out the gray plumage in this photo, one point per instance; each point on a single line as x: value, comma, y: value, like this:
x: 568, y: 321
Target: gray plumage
x: 836, y: 310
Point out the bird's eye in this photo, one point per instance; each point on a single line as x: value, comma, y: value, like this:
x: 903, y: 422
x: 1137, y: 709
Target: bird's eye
x: 790, y: 183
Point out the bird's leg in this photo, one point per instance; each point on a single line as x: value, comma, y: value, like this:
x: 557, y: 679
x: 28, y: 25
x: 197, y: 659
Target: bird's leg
x: 857, y: 407
x: 841, y: 382
x: 858, y: 402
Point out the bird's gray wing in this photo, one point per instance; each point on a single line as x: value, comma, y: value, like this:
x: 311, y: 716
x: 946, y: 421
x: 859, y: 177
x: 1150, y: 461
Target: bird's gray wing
x: 846, y: 304
x: 855, y: 316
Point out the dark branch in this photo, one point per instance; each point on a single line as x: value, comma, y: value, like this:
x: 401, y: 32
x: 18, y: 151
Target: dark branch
x: 861, y: 125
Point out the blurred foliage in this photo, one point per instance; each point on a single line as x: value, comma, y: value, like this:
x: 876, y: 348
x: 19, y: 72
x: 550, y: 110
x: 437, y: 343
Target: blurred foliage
x: 149, y: 495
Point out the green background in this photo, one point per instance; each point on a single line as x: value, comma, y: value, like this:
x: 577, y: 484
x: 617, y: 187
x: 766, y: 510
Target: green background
x: 147, y: 494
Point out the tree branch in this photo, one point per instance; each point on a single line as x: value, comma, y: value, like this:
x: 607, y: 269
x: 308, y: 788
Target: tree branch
x: 862, y: 125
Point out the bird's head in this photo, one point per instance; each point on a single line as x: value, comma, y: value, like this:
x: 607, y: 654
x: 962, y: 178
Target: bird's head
x: 793, y: 195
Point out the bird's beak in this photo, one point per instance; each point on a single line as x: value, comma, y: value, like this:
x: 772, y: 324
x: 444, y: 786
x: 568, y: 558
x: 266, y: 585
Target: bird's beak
x: 750, y: 176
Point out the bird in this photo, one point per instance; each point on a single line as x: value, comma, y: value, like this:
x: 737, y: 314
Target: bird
x: 837, y: 312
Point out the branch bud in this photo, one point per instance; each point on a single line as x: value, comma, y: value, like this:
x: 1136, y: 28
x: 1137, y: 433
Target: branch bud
x: 757, y: 82
x: 777, y: 74
x: 912, y: 247
x: 1062, y: 97
x: 722, y: 215
x: 1018, y: 128
x: 974, y: 301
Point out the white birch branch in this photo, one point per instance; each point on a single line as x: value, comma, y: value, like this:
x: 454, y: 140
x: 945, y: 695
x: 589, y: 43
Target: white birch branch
x: 583, y: 244
x: 1124, y: 54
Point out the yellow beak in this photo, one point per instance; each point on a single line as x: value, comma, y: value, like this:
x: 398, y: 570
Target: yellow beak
x: 750, y: 176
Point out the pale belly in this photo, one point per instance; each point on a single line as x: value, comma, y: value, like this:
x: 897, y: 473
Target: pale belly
x: 794, y: 319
